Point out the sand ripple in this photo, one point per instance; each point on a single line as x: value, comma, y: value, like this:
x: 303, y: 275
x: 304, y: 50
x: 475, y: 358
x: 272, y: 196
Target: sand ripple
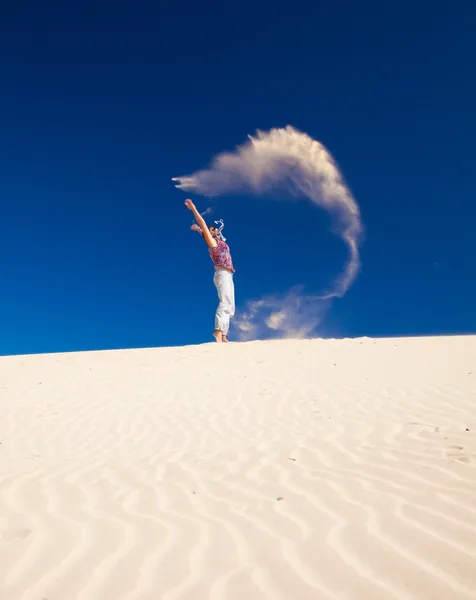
x: 269, y: 470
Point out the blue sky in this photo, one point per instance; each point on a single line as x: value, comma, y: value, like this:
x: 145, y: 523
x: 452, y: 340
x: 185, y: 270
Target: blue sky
x: 103, y: 103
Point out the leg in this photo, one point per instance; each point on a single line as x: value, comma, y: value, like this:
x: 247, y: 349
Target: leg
x: 232, y: 306
x: 224, y: 283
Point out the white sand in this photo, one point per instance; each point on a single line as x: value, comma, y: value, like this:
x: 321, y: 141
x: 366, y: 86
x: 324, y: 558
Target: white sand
x: 287, y: 470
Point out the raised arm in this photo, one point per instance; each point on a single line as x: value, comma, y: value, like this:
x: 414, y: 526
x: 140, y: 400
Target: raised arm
x: 211, y: 242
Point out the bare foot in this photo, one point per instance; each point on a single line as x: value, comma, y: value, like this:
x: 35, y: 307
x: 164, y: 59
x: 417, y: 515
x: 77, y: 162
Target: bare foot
x: 218, y: 335
x: 225, y: 339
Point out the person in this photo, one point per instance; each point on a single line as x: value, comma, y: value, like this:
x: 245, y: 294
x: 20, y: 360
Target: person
x: 223, y: 279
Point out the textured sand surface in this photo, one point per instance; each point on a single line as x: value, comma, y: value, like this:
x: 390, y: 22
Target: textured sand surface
x: 294, y: 470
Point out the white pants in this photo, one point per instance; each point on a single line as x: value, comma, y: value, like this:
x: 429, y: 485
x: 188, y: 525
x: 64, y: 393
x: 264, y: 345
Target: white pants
x: 223, y: 281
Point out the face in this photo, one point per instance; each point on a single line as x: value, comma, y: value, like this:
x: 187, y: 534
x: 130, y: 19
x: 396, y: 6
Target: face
x: 214, y: 232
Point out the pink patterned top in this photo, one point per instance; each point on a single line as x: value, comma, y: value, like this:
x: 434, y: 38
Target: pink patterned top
x: 221, y: 257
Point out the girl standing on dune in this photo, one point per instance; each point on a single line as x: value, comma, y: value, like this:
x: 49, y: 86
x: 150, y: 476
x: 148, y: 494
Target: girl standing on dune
x: 223, y: 279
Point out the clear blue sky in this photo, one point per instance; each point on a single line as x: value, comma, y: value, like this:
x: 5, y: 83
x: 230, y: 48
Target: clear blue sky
x: 103, y: 103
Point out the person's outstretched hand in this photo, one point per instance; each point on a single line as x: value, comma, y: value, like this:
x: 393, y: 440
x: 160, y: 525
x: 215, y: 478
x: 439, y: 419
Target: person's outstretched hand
x: 195, y: 227
x: 189, y: 204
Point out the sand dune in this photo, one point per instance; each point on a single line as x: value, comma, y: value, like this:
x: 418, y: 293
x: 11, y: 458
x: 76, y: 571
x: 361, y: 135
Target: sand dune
x: 292, y: 470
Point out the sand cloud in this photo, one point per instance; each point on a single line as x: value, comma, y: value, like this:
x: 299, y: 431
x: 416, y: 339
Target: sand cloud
x: 279, y: 161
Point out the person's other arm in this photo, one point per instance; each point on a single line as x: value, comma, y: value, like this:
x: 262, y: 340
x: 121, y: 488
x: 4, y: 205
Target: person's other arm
x: 207, y: 236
